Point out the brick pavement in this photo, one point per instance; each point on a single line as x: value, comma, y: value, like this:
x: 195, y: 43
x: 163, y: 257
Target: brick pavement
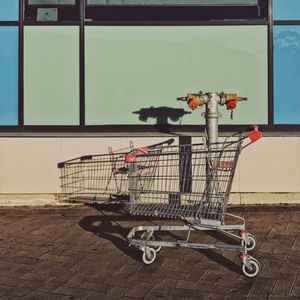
x: 82, y: 253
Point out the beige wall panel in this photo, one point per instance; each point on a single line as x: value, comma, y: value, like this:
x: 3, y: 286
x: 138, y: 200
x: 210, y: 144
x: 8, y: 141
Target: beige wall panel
x: 29, y: 165
x: 271, y: 165
x: 236, y: 180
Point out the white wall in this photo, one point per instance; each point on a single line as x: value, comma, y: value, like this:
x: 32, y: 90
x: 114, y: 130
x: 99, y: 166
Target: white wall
x: 29, y: 165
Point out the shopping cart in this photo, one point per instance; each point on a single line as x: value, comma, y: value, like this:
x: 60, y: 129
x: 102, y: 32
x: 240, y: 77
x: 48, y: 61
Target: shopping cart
x: 99, y: 178
x: 192, y: 183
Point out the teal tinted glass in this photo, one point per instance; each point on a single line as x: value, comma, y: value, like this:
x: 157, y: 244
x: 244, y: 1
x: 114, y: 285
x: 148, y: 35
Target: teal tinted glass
x: 286, y: 74
x: 9, y: 10
x: 134, y: 73
x: 52, y: 2
x: 172, y: 2
x: 9, y: 75
x: 286, y: 9
x: 51, y: 75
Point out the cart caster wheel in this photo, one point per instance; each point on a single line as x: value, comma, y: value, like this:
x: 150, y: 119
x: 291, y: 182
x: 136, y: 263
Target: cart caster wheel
x: 156, y: 248
x: 253, y: 269
x: 250, y: 243
x: 149, y: 256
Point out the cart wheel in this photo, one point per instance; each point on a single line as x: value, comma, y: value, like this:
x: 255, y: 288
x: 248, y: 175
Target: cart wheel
x: 253, y: 270
x: 149, y: 258
x: 156, y: 248
x: 251, y: 243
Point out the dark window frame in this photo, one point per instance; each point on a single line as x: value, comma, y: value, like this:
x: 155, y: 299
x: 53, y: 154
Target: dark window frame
x: 127, y: 129
x: 178, y: 13
x: 66, y: 12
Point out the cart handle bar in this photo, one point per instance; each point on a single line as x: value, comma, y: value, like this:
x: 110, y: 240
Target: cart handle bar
x: 253, y: 134
x: 164, y: 143
x: 131, y: 156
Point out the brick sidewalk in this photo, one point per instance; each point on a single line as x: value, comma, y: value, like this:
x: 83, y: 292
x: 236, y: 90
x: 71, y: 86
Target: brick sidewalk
x: 82, y: 253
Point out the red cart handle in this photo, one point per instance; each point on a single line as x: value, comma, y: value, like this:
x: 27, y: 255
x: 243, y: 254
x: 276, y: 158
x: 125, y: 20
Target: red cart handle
x: 130, y: 157
x: 254, y: 134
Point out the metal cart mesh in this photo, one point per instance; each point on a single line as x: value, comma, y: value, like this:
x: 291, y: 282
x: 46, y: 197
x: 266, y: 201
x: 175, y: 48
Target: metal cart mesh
x: 184, y: 181
x: 100, y: 178
x: 94, y: 178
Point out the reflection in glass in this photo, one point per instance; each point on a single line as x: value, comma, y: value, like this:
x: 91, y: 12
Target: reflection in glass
x: 9, y: 75
x: 286, y: 9
x: 9, y: 10
x: 173, y: 2
x: 51, y: 75
x: 134, y: 73
x: 286, y: 74
x: 51, y: 2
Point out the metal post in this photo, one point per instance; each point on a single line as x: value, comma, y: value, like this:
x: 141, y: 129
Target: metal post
x: 212, y: 115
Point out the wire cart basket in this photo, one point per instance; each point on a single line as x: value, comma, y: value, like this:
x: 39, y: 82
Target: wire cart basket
x: 189, y: 182
x: 95, y: 178
x: 99, y: 178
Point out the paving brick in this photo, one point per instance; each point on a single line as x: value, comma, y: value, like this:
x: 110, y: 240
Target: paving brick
x: 37, y: 295
x: 71, y: 292
x: 176, y: 275
x: 19, y: 292
x: 165, y: 286
x: 116, y: 293
x: 186, y: 284
x: 295, y: 292
x: 296, y: 245
x: 285, y: 244
x: 282, y: 287
x: 212, y: 277
x: 92, y: 295
x: 75, y: 281
x: 196, y: 273
x: 261, y: 288
x: 8, y: 281
x: 292, y: 228
x: 214, y: 297
x: 268, y: 247
x: 268, y: 273
x: 234, y: 296
x: 10, y: 298
x: 56, y: 258
x: 141, y: 290
x: 154, y: 296
x: 225, y: 282
x: 95, y: 286
x: 32, y: 276
x: 5, y: 290
x: 210, y: 288
x: 50, y: 285
x: 188, y: 293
